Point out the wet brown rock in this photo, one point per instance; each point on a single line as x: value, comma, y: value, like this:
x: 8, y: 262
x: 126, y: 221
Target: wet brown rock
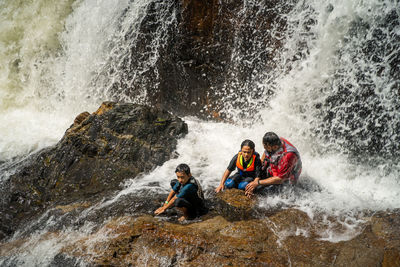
x: 386, y: 225
x: 391, y: 257
x: 218, y: 242
x: 69, y: 208
x: 364, y: 250
x: 298, y: 224
x: 98, y: 153
x: 232, y: 204
x: 268, y: 241
x: 237, y: 199
x: 81, y: 117
x: 147, y: 240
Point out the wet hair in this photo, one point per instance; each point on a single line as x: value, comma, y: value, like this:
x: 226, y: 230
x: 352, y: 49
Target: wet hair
x: 248, y: 143
x: 183, y: 168
x: 271, y: 139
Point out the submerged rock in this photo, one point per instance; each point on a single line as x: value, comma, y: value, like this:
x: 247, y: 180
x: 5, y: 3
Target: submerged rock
x: 233, y: 205
x: 286, y: 237
x: 148, y: 241
x: 96, y: 155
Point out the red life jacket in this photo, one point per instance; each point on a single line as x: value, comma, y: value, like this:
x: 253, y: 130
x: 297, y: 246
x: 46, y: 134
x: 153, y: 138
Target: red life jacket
x: 250, y: 166
x: 272, y: 161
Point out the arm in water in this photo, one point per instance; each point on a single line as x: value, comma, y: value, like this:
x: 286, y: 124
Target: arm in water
x: 251, y: 186
x: 223, y: 179
x: 167, y: 204
x: 269, y: 181
x: 279, y: 175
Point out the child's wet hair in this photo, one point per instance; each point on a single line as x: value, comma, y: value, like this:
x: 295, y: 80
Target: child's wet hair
x: 183, y: 168
x: 248, y: 143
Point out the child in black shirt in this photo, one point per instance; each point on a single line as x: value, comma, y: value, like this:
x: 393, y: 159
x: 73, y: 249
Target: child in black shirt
x: 248, y: 165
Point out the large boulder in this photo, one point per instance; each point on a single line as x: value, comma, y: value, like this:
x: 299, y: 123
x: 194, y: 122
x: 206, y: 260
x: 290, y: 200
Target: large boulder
x: 285, y: 237
x: 269, y: 241
x: 233, y: 205
x: 96, y: 155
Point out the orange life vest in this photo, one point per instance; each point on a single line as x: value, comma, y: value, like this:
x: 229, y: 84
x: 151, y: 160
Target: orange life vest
x: 250, y: 166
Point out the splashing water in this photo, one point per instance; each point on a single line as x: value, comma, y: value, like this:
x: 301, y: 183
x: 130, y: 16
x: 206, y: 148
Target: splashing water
x: 335, y: 95
x: 55, y: 65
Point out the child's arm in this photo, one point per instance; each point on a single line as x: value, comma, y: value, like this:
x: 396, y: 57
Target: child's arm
x: 223, y: 179
x: 171, y: 194
x: 168, y: 203
x: 231, y: 167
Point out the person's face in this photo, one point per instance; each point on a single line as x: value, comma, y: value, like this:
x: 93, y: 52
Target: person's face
x: 182, y: 177
x: 271, y: 149
x: 247, y: 152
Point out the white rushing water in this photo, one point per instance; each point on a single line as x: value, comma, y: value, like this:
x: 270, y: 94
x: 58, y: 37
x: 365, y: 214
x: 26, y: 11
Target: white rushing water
x: 51, y: 65
x: 56, y: 66
x: 343, y: 186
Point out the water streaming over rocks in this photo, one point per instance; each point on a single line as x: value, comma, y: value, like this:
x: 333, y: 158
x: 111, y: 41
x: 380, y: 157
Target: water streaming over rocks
x: 323, y: 74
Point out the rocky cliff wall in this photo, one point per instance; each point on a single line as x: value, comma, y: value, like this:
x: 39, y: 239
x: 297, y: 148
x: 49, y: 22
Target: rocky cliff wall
x: 96, y: 155
x: 208, y: 50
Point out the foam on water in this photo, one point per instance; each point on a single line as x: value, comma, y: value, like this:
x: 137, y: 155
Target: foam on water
x: 34, y: 134
x: 51, y: 64
x: 333, y: 183
x: 42, y: 248
x: 45, y: 82
x: 341, y: 190
x: 28, y: 35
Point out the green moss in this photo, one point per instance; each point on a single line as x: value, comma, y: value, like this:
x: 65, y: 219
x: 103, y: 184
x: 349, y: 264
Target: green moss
x: 46, y: 161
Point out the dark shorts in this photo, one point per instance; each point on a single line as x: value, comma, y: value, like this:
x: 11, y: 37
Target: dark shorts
x: 238, y: 178
x: 195, y: 208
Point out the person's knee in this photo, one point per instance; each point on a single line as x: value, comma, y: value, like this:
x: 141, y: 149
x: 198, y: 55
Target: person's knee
x: 174, y: 182
x: 182, y: 203
x: 229, y: 183
x: 237, y: 178
x: 179, y: 202
x: 242, y: 185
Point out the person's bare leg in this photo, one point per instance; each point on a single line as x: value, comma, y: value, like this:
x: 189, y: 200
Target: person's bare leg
x: 185, y: 214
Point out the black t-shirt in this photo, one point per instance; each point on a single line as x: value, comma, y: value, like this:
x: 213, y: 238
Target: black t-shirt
x: 257, y: 166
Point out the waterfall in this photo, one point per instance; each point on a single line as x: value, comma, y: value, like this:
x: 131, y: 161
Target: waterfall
x: 332, y: 89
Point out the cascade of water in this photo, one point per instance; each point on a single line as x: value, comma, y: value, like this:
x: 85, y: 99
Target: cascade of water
x: 335, y: 87
x: 56, y: 67
x: 337, y: 100
x: 338, y: 79
x: 28, y: 37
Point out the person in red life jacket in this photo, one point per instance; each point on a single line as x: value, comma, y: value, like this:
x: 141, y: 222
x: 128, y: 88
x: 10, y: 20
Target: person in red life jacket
x: 281, y: 163
x: 248, y: 165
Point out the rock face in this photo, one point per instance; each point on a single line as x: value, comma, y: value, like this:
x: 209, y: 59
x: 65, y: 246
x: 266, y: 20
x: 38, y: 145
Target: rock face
x: 222, y: 46
x: 267, y: 241
x: 97, y: 153
x: 208, y: 49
